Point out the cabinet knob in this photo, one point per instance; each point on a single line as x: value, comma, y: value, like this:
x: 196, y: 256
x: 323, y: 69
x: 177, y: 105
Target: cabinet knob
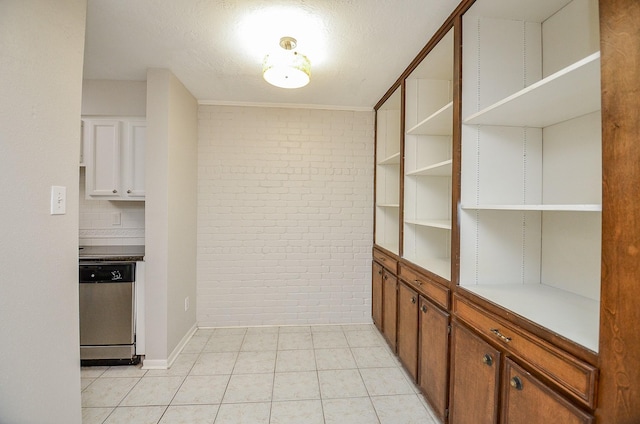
x: 418, y: 282
x: 413, y: 299
x: 380, y: 272
x: 386, y: 277
x: 487, y: 360
x: 115, y: 191
x: 516, y: 383
x: 424, y: 308
x: 128, y: 191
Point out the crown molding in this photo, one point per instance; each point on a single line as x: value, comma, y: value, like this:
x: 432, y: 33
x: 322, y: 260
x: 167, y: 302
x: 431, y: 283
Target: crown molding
x: 285, y: 105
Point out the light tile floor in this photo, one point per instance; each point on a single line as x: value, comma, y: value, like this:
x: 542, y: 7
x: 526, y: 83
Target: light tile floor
x: 278, y: 375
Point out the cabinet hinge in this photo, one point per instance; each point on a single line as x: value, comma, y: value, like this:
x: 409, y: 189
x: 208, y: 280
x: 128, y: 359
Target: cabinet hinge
x: 449, y: 329
x: 446, y: 413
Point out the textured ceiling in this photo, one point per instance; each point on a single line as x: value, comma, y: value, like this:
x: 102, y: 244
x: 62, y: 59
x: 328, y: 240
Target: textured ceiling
x: 357, y: 48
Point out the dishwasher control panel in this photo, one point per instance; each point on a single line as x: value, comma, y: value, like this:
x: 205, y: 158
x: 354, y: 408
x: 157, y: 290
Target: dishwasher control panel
x: 107, y: 272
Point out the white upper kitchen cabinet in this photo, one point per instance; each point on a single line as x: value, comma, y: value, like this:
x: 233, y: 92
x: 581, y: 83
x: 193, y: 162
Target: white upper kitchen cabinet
x: 133, y: 160
x: 114, y: 158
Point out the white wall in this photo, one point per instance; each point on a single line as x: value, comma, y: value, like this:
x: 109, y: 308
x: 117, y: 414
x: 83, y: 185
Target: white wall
x: 111, y: 98
x: 41, y: 55
x: 285, y: 201
x: 183, y: 207
x: 170, y: 218
x: 114, y: 98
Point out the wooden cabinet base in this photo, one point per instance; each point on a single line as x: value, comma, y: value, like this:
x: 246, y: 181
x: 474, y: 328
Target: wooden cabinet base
x: 475, y: 375
x: 408, y: 329
x: 527, y: 400
x: 376, y: 294
x: 433, y: 375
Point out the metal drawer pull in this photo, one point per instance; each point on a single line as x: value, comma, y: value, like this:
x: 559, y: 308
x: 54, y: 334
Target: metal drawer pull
x: 487, y: 360
x: 516, y: 383
x: 499, y: 334
x: 413, y: 299
x: 424, y: 308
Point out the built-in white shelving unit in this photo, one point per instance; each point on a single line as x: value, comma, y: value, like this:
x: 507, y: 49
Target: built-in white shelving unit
x: 388, y: 135
x: 428, y: 160
x: 530, y: 215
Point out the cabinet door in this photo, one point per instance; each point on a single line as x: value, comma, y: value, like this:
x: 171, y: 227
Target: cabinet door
x: 389, y: 307
x: 408, y: 328
x: 376, y: 295
x: 526, y: 399
x: 133, y: 160
x: 103, y: 165
x: 434, y: 356
x: 475, y: 374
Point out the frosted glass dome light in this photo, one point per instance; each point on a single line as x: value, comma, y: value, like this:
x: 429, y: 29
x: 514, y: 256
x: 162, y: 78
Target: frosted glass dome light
x: 287, y: 68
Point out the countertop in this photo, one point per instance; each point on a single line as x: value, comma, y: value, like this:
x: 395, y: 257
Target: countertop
x: 112, y: 253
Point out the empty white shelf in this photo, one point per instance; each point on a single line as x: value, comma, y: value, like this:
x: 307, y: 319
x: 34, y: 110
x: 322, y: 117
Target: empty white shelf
x: 439, y: 123
x: 570, y: 315
x: 434, y: 223
x: 571, y: 92
x: 390, y: 246
x: 438, y: 266
x: 538, y: 207
x: 441, y: 169
x: 388, y: 205
x: 391, y: 160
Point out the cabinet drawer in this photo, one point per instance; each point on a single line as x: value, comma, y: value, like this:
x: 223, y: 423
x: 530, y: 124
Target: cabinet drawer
x: 577, y: 377
x: 434, y: 291
x: 385, y: 260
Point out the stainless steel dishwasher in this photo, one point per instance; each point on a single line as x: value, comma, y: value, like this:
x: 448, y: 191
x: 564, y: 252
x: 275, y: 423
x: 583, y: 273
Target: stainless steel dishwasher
x: 107, y: 326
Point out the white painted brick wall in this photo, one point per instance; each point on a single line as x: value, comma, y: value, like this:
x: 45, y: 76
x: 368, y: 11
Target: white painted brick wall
x: 285, y: 205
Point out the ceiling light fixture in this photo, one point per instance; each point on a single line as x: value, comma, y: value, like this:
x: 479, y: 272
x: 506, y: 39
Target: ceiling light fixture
x: 287, y: 68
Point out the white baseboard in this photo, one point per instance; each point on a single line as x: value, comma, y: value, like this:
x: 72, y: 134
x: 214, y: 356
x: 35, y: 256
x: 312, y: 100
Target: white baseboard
x: 163, y: 364
x: 154, y: 364
x: 174, y: 355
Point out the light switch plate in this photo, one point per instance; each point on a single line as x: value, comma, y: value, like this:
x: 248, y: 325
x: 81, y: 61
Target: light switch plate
x: 58, y: 200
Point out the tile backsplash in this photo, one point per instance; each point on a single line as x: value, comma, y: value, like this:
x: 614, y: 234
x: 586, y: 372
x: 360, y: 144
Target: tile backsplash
x: 106, y: 222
